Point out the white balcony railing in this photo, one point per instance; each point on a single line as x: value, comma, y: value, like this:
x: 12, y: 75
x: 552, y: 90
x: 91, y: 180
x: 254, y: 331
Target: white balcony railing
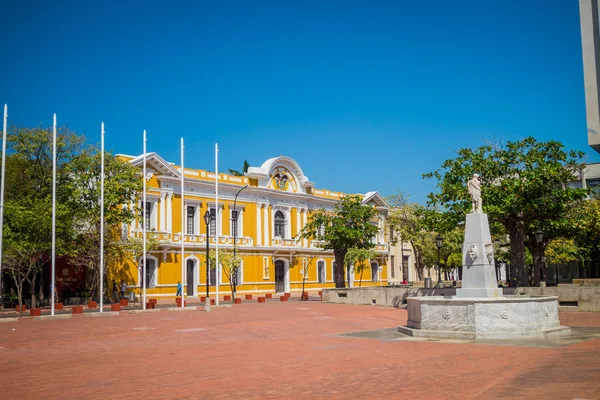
x: 277, y: 241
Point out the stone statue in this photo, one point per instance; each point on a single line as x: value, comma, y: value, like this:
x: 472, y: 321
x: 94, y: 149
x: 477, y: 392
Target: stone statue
x: 474, y: 186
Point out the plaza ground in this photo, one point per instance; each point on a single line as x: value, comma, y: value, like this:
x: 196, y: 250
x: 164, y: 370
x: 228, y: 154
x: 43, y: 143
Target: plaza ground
x: 277, y: 350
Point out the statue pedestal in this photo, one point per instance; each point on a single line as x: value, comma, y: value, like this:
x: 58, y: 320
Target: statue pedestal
x: 479, y: 311
x: 479, y: 272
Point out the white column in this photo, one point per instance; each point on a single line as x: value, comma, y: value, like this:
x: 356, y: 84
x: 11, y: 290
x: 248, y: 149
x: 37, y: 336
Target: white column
x: 163, y: 224
x: 304, y: 219
x: 220, y: 220
x: 288, y: 224
x: 266, y: 240
x: 298, y: 227
x: 258, y: 225
x: 169, y: 212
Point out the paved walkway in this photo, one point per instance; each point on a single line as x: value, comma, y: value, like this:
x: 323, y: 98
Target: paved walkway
x: 276, y: 351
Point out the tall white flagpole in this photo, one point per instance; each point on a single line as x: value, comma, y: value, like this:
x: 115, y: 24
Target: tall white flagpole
x: 102, y: 219
x: 217, y: 225
x: 144, y: 231
x: 53, y: 279
x: 183, y: 280
x: 2, y: 200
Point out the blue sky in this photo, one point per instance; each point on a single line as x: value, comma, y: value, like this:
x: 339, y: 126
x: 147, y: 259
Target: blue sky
x: 364, y: 95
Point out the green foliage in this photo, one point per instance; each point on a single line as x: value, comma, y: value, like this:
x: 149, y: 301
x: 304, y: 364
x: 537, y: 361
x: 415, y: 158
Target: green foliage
x: 524, y: 188
x: 28, y: 200
x: 586, y: 220
x: 229, y: 265
x: 122, y: 184
x: 562, y: 251
x: 235, y: 172
x: 411, y: 225
x: 348, y: 226
x: 228, y: 262
x: 398, y: 199
x: 360, y: 258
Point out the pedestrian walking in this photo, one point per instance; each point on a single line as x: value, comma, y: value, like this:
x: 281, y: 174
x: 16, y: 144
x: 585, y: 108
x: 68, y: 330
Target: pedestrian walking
x: 123, y: 288
x: 179, y: 289
x: 115, y: 293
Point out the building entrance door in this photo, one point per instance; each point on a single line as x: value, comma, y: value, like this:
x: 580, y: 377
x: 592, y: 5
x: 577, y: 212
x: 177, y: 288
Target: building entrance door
x: 279, y: 276
x: 190, y: 277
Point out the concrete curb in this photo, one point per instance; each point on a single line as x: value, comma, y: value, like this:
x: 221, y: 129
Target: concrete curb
x: 102, y: 314
x: 59, y: 316
x: 190, y: 308
x: 144, y: 311
x: 10, y: 319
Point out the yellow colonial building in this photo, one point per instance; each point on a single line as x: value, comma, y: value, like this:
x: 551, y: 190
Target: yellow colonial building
x: 271, y: 211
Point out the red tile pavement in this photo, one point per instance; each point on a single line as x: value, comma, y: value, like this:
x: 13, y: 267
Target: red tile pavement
x: 274, y: 351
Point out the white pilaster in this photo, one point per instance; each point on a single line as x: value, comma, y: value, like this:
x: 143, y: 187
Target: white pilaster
x: 266, y: 240
x: 298, y: 227
x: 258, y: 225
x: 304, y: 220
x: 169, y: 212
x: 163, y: 224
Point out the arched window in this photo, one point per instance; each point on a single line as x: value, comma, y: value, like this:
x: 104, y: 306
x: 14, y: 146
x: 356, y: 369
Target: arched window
x: 321, y: 271
x: 374, y: 272
x: 279, y: 224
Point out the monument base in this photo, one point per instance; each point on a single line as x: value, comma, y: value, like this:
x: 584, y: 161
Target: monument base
x: 479, y: 292
x: 483, y: 318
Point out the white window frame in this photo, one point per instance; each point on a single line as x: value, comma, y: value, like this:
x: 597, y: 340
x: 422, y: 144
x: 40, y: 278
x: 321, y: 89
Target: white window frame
x: 153, y: 214
x: 154, y: 280
x: 240, y: 273
x: 196, y: 276
x: 265, y: 268
x: 320, y: 260
x: 240, y: 220
x: 377, y: 277
x: 332, y: 271
x: 287, y: 228
x: 196, y: 207
x: 218, y: 215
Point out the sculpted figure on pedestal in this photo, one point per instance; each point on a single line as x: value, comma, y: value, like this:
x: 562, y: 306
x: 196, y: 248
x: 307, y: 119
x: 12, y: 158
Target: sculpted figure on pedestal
x: 474, y: 186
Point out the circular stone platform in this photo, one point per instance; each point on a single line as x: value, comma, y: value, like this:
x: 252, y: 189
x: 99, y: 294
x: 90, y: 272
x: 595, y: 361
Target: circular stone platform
x: 483, y: 318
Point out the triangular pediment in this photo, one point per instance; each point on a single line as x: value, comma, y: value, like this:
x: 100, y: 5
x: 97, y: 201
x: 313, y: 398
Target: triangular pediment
x: 375, y: 199
x: 157, y: 164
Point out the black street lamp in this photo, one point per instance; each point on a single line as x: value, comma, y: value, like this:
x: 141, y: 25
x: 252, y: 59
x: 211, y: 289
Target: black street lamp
x: 207, y: 222
x: 539, y: 238
x: 439, y: 240
x: 235, y: 225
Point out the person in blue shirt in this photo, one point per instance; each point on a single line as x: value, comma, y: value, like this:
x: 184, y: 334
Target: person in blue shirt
x: 179, y: 289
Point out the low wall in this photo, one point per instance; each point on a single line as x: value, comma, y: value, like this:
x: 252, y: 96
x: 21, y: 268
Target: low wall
x: 585, y: 298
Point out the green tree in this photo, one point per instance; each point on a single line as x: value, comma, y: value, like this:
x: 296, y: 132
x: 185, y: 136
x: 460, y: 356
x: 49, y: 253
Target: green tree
x: 410, y: 223
x: 235, y: 172
x: 348, y: 226
x: 229, y: 265
x: 122, y: 185
x: 28, y: 200
x: 525, y: 188
x: 360, y: 258
x: 587, y: 231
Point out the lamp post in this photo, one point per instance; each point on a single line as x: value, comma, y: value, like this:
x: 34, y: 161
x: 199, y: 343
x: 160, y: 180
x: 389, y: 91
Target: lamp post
x: 207, y: 222
x: 235, y: 220
x: 438, y: 243
x: 539, y: 238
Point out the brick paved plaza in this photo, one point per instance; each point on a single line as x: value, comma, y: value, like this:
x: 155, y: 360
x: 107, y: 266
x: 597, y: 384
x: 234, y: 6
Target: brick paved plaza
x: 276, y: 351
